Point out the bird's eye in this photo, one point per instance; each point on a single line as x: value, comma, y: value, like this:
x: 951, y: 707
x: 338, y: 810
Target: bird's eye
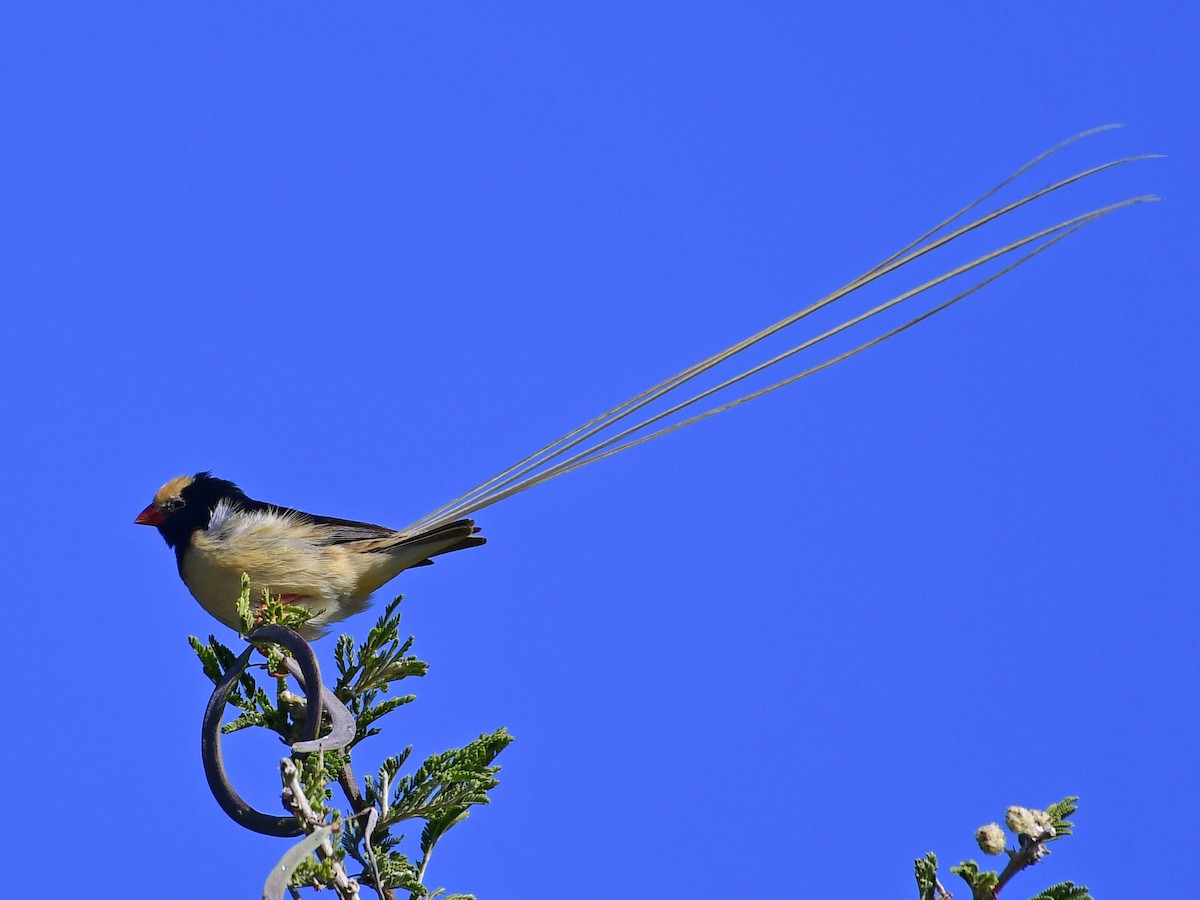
x: 173, y: 504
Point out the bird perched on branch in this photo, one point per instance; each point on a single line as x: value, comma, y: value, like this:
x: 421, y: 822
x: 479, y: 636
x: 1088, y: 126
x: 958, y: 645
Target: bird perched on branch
x: 330, y: 567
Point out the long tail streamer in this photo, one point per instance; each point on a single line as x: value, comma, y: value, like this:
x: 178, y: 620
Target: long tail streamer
x: 600, y: 438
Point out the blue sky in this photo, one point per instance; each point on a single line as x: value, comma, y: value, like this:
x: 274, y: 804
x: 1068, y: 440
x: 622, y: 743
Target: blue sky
x: 358, y: 259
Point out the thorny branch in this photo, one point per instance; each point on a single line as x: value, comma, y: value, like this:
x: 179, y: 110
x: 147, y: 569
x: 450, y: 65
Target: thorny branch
x: 328, y: 721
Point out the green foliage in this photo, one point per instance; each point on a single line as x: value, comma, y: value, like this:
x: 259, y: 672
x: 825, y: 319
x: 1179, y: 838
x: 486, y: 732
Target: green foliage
x: 1058, y: 813
x: 982, y: 884
x: 987, y: 885
x: 440, y: 792
x: 445, y: 783
x: 366, y: 671
x: 270, y: 609
x: 299, y: 866
x: 926, y: 872
x: 258, y: 709
x: 1064, y: 891
x: 312, y: 870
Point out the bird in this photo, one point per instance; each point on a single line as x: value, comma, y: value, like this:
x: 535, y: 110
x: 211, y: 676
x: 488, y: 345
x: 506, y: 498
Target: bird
x: 332, y: 566
x: 328, y: 567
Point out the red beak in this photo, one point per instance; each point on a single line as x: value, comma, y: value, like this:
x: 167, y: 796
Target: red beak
x: 151, y: 515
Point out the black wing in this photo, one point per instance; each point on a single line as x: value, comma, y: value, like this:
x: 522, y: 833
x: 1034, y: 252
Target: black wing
x: 333, y: 531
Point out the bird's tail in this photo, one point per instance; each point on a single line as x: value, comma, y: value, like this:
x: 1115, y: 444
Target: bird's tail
x: 601, y: 437
x: 457, y: 535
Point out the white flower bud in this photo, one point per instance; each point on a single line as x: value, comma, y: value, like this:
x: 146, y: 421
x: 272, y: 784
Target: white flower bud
x: 1020, y: 821
x: 1043, y: 825
x: 991, y: 840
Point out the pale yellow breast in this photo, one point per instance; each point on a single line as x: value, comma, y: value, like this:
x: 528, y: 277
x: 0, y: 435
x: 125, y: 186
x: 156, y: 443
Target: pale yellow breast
x: 279, y: 554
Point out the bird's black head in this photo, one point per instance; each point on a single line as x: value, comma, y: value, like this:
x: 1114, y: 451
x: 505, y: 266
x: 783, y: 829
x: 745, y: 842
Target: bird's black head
x: 185, y: 504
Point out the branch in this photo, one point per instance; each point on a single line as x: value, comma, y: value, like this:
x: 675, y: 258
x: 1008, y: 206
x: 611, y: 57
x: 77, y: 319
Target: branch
x: 1031, y: 852
x: 296, y: 800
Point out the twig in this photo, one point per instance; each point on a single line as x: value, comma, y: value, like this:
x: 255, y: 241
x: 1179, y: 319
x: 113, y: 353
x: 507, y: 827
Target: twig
x: 346, y: 887
x: 424, y: 863
x: 361, y: 807
x: 1031, y: 852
